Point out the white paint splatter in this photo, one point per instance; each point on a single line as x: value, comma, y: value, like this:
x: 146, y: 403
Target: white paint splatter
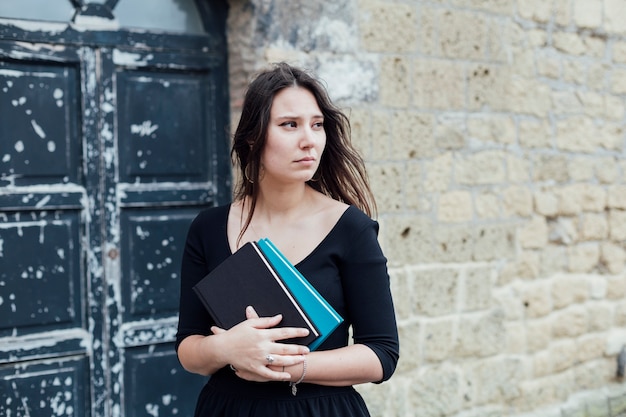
x: 146, y: 128
x: 6, y: 157
x: 43, y: 201
x: 51, y: 146
x: 19, y: 146
x: 38, y: 130
x: 57, y: 93
x: 152, y: 409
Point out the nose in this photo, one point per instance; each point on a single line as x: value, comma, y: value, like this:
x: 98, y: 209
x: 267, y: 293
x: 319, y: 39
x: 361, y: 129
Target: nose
x: 308, y: 137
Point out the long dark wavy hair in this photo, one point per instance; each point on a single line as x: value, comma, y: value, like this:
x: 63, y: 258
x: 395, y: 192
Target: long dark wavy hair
x: 341, y: 174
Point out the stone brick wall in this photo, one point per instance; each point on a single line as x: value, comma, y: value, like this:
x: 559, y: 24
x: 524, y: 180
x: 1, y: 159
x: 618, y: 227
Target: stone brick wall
x: 494, y: 132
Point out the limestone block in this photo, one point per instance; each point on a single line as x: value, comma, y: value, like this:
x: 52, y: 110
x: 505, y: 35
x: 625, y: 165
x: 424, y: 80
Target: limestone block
x: 615, y: 108
x: 494, y: 242
x: 492, y: 128
x: 577, y: 134
x: 380, y: 135
x: 614, y: 12
x: 453, y: 244
x: 438, y: 173
x: 574, y: 72
x: 438, y: 84
x: 487, y: 206
x: 619, y: 51
x: 518, y: 201
x: 476, y: 289
x: 386, y: 183
x: 527, y: 96
x: 583, y: 257
x: 549, y: 66
x: 569, y: 200
x: 537, y: 299
x: 486, y: 87
x: 592, y: 198
x: 607, y: 170
x: 362, y: 138
x: 588, y: 13
x: 412, y: 135
x: 509, y: 300
x: 596, y: 47
x: 438, y: 339
x: 473, y: 26
x: 617, y: 197
x: 564, y: 354
x: 580, y: 168
x: 617, y: 224
x: 552, y: 259
x: 435, y: 291
x: 414, y: 198
x: 600, y: 316
x: 538, y: 335
x: 395, y: 79
x: 611, y: 136
x: 494, y: 380
x: 566, y: 103
x: 408, y: 240
x: 409, y: 334
x: 515, y: 338
x: 594, y: 226
x: 518, y: 169
x: 568, y: 289
x: 448, y: 136
x: 569, y: 43
x: 543, y: 364
x: 613, y: 257
x: 562, y: 12
x: 598, y: 76
x: 571, y: 322
x: 534, y: 133
x: 616, y: 286
x: 536, y: 10
x: 546, y: 203
x: 486, y: 167
x: 401, y: 291
x: 620, y: 314
x: 381, y: 26
x: 455, y: 207
x: 549, y: 168
x: 598, y: 287
x: 618, y: 81
x: 482, y: 336
x: 590, y: 347
x: 534, y: 234
x: 436, y: 391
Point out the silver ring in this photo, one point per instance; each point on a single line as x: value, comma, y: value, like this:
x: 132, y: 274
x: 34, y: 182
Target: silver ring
x: 270, y: 359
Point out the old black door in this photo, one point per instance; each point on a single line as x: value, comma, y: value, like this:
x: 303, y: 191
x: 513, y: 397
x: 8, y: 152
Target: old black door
x: 113, y: 135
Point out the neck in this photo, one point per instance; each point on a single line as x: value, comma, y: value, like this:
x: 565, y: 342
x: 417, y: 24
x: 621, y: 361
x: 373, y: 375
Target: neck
x: 281, y: 204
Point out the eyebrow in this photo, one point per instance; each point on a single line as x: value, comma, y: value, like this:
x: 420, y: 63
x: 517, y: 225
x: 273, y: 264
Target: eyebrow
x: 291, y: 116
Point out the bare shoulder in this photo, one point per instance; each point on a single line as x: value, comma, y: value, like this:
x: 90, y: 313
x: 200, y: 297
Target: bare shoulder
x: 328, y: 209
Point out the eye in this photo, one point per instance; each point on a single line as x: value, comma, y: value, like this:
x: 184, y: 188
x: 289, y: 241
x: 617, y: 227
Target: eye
x: 318, y: 125
x: 291, y: 124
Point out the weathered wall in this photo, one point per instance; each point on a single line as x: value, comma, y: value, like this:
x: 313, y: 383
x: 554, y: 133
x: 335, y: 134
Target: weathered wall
x: 494, y: 136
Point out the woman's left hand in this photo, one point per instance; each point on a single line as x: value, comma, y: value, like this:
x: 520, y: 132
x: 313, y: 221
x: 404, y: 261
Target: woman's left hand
x: 279, y: 371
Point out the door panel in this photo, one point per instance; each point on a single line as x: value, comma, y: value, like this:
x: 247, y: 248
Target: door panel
x: 163, y: 173
x: 106, y: 156
x: 38, y: 133
x: 44, y: 341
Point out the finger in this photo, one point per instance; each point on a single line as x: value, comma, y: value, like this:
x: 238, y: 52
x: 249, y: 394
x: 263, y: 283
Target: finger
x: 217, y: 330
x: 265, y: 322
x: 284, y: 333
x: 251, y: 313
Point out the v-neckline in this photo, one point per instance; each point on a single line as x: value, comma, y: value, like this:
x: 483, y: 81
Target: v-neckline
x: 310, y: 254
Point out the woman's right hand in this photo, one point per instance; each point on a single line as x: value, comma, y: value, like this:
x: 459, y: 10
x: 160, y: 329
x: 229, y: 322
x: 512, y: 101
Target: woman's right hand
x: 252, y: 345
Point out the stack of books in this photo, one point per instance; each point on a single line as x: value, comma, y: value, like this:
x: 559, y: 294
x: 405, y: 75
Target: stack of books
x: 259, y: 275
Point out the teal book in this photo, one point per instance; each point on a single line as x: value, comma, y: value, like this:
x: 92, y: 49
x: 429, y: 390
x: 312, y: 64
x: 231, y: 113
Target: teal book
x: 320, y: 312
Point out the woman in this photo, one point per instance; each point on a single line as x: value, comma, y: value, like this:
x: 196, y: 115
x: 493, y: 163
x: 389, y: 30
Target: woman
x: 304, y: 187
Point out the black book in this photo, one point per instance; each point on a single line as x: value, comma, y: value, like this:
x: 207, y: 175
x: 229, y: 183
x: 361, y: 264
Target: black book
x: 246, y: 278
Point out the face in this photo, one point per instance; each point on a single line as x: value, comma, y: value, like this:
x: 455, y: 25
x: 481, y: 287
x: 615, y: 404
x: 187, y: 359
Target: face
x: 295, y: 137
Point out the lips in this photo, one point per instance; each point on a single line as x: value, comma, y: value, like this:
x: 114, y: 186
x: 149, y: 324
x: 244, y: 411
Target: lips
x: 306, y: 159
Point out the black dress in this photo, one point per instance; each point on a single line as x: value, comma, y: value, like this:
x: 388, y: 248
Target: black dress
x: 348, y: 268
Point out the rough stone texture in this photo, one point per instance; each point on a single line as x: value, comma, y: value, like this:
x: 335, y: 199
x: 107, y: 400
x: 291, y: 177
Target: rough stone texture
x: 494, y: 133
